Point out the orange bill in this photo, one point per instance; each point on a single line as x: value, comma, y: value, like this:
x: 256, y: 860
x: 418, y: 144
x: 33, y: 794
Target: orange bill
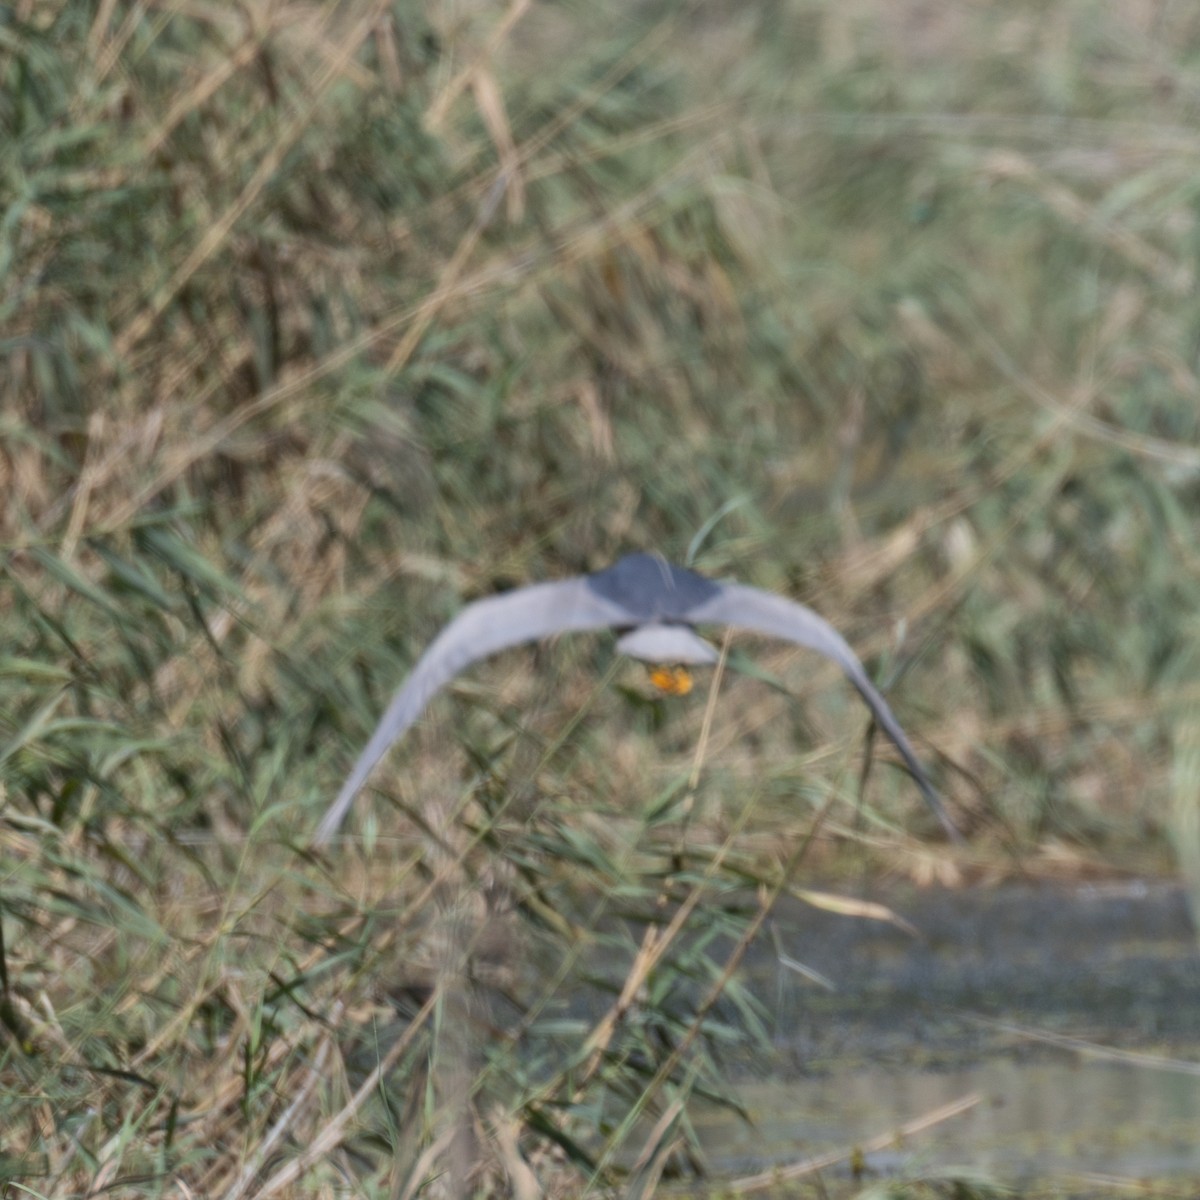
x: 675, y: 681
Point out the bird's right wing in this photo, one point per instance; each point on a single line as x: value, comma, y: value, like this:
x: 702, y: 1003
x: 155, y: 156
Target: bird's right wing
x: 481, y: 629
x: 776, y: 616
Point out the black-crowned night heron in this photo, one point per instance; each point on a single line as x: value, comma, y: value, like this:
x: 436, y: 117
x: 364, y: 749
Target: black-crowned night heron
x: 657, y: 606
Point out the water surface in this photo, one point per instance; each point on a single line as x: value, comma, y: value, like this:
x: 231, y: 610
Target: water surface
x: 918, y: 1021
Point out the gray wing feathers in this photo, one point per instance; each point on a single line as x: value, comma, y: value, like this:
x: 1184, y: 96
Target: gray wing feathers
x: 481, y: 629
x: 764, y: 612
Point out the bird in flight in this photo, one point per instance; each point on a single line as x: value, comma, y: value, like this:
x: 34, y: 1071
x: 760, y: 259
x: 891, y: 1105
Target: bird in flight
x: 657, y: 606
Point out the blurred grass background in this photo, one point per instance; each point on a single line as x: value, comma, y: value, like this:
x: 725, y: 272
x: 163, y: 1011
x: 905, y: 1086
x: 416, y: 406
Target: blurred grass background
x: 320, y: 320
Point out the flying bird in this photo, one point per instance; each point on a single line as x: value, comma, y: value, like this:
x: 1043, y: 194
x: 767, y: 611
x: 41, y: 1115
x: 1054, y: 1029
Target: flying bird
x: 657, y: 606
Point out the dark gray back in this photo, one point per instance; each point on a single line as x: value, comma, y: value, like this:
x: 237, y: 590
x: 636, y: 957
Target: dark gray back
x: 651, y: 589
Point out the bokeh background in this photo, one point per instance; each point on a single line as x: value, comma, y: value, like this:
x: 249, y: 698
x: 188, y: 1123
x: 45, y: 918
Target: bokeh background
x: 319, y: 320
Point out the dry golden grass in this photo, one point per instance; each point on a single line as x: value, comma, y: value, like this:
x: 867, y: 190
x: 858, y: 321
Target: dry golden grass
x: 319, y: 320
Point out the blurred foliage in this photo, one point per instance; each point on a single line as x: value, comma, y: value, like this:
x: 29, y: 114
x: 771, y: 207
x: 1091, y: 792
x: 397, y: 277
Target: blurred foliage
x: 318, y: 320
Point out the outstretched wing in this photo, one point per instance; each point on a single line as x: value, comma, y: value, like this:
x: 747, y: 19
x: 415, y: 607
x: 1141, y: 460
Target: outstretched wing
x: 763, y: 612
x: 481, y: 629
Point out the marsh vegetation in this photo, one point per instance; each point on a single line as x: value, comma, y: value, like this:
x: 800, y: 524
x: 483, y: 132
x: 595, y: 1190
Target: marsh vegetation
x: 319, y: 320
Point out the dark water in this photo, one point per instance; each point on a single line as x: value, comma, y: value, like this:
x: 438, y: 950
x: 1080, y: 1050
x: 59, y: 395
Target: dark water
x: 1073, y: 1013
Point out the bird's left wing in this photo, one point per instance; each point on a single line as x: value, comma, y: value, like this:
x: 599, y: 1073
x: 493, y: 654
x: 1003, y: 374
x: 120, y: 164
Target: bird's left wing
x: 763, y: 612
x: 481, y: 629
